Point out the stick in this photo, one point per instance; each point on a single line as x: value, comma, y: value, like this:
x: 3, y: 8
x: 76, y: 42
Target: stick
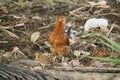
x: 3, y: 41
x: 111, y: 29
x: 73, y: 12
x: 46, y: 26
x: 91, y: 69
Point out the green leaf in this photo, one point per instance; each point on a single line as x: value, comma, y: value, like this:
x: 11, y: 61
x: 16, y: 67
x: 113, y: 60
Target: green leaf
x: 107, y: 44
x: 113, y: 43
x: 88, y: 35
x: 105, y: 40
x: 117, y: 61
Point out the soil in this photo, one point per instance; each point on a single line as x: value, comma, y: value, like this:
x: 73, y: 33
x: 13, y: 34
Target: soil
x: 25, y: 18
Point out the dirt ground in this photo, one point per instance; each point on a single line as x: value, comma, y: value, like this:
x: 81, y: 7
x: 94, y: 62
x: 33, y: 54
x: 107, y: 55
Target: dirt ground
x: 20, y: 19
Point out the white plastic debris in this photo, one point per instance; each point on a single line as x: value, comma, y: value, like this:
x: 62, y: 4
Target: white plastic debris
x: 95, y: 23
x: 102, y: 22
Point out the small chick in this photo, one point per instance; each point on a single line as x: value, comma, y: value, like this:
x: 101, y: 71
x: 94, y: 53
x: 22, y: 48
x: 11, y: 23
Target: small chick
x: 43, y: 59
x: 95, y: 23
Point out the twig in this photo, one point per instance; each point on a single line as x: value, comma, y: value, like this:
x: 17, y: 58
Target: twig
x: 20, y: 31
x: 73, y: 12
x: 111, y: 29
x: 91, y: 69
x: 114, y: 14
x: 65, y: 1
x: 3, y: 42
x: 46, y: 26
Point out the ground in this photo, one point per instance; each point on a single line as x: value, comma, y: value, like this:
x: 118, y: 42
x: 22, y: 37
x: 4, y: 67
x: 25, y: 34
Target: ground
x: 20, y: 19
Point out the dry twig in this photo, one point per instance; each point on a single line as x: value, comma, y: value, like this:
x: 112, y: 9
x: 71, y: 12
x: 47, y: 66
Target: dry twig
x: 91, y: 69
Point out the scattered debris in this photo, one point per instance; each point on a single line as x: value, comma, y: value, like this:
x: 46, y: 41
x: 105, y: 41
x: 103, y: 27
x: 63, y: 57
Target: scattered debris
x: 35, y: 36
x: 20, y: 24
x: 24, y: 23
x: 100, y: 53
x: 95, y: 23
x: 81, y: 53
x: 101, y: 4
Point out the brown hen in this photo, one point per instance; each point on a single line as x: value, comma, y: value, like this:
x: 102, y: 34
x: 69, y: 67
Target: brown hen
x: 58, y: 40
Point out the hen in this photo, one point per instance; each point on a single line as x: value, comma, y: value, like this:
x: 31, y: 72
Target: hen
x: 58, y: 40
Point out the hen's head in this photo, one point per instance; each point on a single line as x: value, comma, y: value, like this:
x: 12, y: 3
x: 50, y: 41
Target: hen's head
x: 61, y: 18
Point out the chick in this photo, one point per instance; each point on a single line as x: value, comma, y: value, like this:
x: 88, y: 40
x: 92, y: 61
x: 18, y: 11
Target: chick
x: 43, y: 59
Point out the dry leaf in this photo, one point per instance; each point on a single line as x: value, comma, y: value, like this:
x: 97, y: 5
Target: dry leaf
x: 69, y: 24
x: 101, y: 53
x: 101, y: 2
x: 73, y: 35
x: 104, y: 29
x: 77, y: 53
x: 84, y: 42
x: 92, y: 3
x: 72, y: 41
x: 47, y: 43
x: 17, y: 17
x: 37, y: 68
x: 84, y: 53
x: 10, y: 33
x: 81, y: 53
x: 35, y: 36
x: 73, y: 38
x: 98, y: 3
x: 103, y: 6
x: 36, y: 18
x: 20, y: 24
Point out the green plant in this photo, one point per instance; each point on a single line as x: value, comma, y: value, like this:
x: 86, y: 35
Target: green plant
x: 117, y: 61
x: 106, y: 41
x: 118, y: 1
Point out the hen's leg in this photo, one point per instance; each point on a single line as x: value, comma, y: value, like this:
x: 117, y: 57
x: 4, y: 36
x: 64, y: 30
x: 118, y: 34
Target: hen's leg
x: 63, y: 59
x: 54, y: 59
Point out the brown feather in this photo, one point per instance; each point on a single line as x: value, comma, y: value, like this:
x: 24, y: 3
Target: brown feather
x: 58, y: 39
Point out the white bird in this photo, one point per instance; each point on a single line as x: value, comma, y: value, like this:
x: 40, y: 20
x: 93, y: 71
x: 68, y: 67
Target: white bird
x: 95, y: 23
